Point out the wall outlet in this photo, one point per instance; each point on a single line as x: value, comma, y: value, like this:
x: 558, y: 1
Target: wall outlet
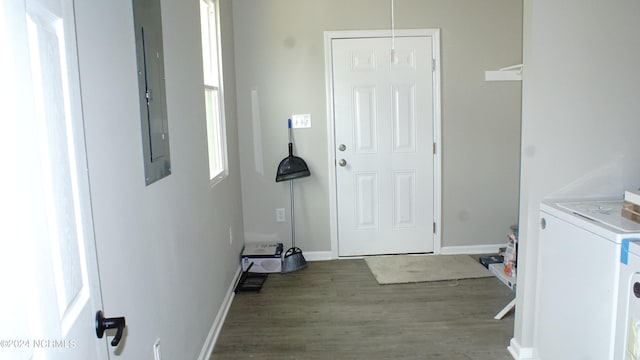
x: 280, y: 215
x: 156, y: 350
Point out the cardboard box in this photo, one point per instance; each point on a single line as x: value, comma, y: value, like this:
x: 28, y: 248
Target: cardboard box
x: 631, y: 211
x: 266, y: 257
x: 631, y: 207
x: 632, y: 197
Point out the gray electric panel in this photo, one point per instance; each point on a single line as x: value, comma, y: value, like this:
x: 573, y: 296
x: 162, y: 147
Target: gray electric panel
x: 151, y: 89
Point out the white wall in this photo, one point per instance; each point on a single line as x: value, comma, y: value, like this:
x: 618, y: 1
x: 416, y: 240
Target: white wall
x: 581, y: 118
x: 279, y: 52
x: 164, y: 253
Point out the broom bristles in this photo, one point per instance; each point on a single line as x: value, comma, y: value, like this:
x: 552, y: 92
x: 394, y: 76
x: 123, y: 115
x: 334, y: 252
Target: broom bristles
x: 293, y: 261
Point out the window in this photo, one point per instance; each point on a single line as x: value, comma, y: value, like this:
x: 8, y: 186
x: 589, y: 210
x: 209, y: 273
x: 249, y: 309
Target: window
x: 212, y: 65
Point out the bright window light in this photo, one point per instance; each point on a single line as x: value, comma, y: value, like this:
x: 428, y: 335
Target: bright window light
x: 213, y: 90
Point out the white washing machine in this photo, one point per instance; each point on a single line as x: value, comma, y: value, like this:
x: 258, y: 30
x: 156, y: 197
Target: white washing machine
x: 628, y: 321
x: 578, y: 279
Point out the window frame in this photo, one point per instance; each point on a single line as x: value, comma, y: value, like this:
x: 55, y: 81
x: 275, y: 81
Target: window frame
x: 215, y: 52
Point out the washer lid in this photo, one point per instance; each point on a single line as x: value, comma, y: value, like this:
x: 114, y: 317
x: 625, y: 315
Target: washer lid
x: 607, y: 212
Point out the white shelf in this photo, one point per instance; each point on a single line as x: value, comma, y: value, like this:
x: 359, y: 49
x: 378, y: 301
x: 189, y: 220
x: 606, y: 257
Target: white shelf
x: 510, y: 281
x: 510, y: 73
x: 497, y: 269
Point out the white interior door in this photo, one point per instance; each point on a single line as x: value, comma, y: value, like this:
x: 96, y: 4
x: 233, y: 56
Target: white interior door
x: 384, y: 138
x: 52, y: 288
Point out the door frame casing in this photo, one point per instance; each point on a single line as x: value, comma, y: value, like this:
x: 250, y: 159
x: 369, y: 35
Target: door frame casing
x: 329, y: 36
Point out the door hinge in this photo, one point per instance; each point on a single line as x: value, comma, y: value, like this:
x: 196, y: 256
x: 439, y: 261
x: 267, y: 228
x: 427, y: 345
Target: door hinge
x: 434, y: 148
x: 433, y: 64
x: 434, y: 227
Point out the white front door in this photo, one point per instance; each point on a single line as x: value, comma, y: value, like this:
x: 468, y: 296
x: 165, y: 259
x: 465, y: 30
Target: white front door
x: 384, y: 138
x: 51, y: 290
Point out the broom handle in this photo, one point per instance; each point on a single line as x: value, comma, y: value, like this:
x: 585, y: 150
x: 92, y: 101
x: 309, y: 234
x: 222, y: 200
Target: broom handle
x: 293, y: 222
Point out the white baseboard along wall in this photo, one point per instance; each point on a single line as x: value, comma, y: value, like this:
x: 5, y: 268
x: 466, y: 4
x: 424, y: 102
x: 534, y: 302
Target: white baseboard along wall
x: 216, y: 327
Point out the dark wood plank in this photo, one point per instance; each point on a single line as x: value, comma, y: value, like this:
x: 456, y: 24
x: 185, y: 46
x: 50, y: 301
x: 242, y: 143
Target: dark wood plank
x: 336, y: 310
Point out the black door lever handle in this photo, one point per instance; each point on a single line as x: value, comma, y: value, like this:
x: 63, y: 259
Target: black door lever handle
x: 103, y: 324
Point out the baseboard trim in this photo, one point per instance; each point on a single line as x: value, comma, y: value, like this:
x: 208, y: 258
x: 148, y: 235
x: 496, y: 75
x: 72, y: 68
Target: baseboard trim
x: 518, y: 352
x: 318, y: 255
x: 216, y: 327
x: 471, y: 249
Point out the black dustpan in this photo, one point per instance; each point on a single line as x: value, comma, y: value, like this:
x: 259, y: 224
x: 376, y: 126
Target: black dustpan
x: 291, y: 167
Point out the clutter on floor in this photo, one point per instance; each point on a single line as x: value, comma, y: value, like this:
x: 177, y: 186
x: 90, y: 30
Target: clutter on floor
x: 491, y: 259
x: 511, y: 253
x: 503, y: 266
x: 250, y: 281
x: 265, y: 257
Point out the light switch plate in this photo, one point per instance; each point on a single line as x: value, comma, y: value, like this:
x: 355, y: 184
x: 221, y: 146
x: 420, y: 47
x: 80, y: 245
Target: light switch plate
x: 301, y: 121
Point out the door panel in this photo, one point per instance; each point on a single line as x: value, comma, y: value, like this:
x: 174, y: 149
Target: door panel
x: 55, y: 260
x: 366, y: 205
x: 403, y: 117
x: 365, y: 120
x: 384, y: 118
x: 404, y: 199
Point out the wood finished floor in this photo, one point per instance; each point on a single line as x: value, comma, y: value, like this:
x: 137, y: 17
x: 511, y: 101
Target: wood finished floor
x: 336, y: 310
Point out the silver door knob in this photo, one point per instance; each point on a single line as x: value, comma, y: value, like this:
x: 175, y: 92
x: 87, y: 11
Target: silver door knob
x: 342, y: 147
x: 342, y: 162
